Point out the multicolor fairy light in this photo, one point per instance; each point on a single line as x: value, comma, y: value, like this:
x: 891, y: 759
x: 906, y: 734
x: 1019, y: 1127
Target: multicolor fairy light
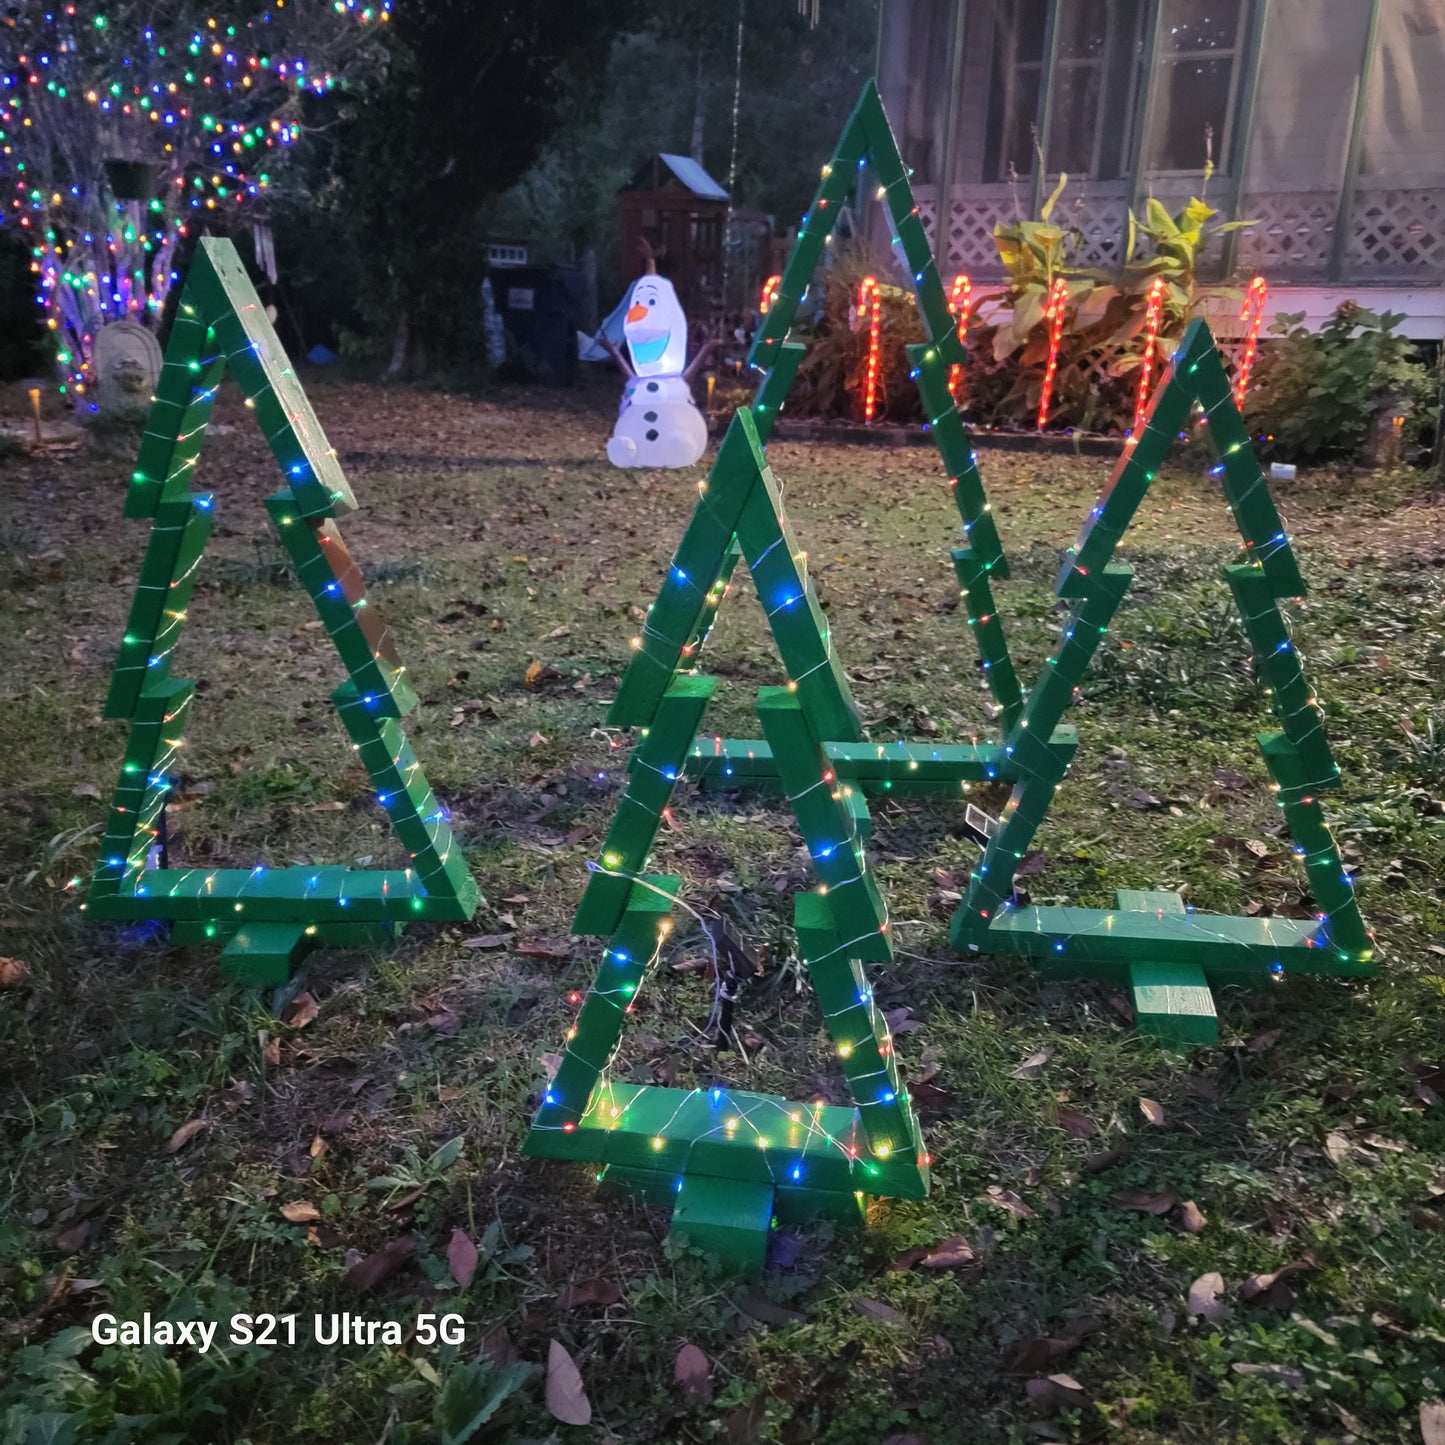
x: 196, y: 115
x: 960, y: 301
x: 1153, y: 312
x: 770, y: 291
x: 1054, y: 315
x: 870, y: 305
x: 1253, y: 311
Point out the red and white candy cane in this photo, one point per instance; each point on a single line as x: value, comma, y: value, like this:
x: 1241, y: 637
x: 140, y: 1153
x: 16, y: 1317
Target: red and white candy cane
x: 1054, y: 315
x: 770, y: 292
x: 1253, y: 310
x: 960, y: 300
x: 1152, y: 316
x: 870, y: 304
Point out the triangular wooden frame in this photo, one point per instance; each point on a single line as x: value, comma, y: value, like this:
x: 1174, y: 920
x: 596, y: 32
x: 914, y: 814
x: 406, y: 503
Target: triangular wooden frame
x: 267, y: 918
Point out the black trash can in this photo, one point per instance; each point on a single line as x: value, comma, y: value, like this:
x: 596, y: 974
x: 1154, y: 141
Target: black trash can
x: 541, y: 309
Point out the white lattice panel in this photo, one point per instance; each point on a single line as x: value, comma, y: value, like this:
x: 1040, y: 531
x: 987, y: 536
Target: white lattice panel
x: 970, y: 232
x: 1102, y: 223
x: 1397, y: 233
x: 1293, y: 231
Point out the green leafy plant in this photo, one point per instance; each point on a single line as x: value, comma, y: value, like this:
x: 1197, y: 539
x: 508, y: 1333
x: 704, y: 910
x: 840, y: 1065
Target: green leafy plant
x: 1318, y: 394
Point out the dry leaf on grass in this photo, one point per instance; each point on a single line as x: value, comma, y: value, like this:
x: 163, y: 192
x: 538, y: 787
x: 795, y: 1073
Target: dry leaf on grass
x: 185, y: 1134
x: 1144, y: 1203
x: 303, y: 1010
x: 533, y: 672
x: 1432, y: 1422
x: 1271, y: 1289
x: 14, y: 972
x: 692, y: 1371
x: 766, y: 1311
x: 488, y: 940
x: 1191, y: 1218
x: 566, y: 1395
x: 1337, y: 1146
x: 950, y: 1254
x: 876, y: 1310
x: 1081, y: 1126
x: 300, y: 1211
x: 589, y: 1292
x: 462, y: 1257
x: 1031, y: 1066
x: 1204, y: 1297
x: 366, y: 1273
x: 1153, y: 1111
x: 1006, y: 1199
x: 1055, y: 1392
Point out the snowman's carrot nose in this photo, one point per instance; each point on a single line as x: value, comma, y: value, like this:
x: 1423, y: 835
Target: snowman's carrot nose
x: 637, y: 313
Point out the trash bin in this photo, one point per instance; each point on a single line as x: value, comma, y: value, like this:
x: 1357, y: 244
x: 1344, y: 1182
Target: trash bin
x: 541, y: 308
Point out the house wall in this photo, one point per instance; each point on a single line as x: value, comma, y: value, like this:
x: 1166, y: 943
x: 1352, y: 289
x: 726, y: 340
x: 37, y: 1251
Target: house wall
x: 1291, y: 180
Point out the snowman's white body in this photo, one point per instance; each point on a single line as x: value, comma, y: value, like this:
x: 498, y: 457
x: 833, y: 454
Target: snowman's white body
x: 659, y: 424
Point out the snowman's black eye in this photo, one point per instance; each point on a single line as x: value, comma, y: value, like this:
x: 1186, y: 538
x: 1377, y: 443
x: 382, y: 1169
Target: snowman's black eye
x: 652, y: 301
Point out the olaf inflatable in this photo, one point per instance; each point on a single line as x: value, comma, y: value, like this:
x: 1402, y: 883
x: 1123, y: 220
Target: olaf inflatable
x: 659, y: 424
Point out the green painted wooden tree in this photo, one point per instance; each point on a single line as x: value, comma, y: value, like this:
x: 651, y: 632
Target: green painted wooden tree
x: 731, y: 1161
x: 899, y: 767
x: 1169, y: 954
x: 266, y: 918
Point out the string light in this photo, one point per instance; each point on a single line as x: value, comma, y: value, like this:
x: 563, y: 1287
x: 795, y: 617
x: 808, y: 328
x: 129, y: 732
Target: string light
x: 770, y: 291
x: 1253, y: 311
x: 205, y: 107
x: 870, y: 305
x: 1153, y: 312
x: 1054, y: 316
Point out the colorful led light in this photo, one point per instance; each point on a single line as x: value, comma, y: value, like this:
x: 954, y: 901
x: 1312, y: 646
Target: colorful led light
x: 870, y: 305
x: 960, y: 300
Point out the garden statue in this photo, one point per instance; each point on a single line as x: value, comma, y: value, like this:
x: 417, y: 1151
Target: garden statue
x: 659, y: 424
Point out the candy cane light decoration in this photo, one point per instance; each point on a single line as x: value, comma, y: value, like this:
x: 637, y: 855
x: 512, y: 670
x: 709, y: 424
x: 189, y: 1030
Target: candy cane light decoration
x: 960, y: 299
x: 870, y: 304
x: 1054, y: 315
x: 1253, y: 310
x: 1152, y: 315
x: 770, y: 292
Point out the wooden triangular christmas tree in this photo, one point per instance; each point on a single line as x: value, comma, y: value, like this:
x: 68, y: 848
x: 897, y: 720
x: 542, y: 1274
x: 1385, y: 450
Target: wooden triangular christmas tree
x: 1170, y: 954
x: 731, y: 1161
x: 898, y: 766
x: 267, y: 918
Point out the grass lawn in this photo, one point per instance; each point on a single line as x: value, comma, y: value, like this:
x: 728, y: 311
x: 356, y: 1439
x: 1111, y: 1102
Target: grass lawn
x: 177, y: 1145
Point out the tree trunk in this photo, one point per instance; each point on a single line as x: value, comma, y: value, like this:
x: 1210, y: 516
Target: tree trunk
x: 396, y: 367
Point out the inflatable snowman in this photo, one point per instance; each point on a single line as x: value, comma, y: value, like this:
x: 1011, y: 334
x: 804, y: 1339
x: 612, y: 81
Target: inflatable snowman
x: 659, y: 424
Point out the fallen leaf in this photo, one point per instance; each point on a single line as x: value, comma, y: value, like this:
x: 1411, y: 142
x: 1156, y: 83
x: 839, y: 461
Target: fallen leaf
x: 1337, y: 1146
x: 541, y: 948
x: 1432, y: 1422
x: 536, y: 741
x: 533, y: 672
x: 302, y: 1010
x: 1264, y: 1041
x: 1152, y: 1111
x: 300, y: 1211
x: 14, y: 972
x: 875, y: 1309
x: 1204, y: 1297
x: 1006, y: 1199
x: 589, y: 1292
x: 566, y: 1396
x: 1055, y: 1392
x: 1081, y: 1126
x: 1143, y: 1203
x: 1191, y: 1218
x: 487, y: 940
x: 1269, y: 1289
x: 766, y: 1311
x: 366, y: 1273
x: 74, y: 1237
x: 272, y: 1051
x: 1428, y: 1219
x: 953, y: 1252
x: 462, y: 1257
x: 556, y: 632
x: 1104, y: 1159
x: 85, y: 790
x: 901, y: 1021
x: 692, y: 1371
x: 1031, y: 1066
x: 185, y: 1134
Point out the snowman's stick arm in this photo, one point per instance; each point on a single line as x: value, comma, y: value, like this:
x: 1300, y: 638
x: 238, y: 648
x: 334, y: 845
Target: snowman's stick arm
x: 610, y: 347
x: 695, y: 365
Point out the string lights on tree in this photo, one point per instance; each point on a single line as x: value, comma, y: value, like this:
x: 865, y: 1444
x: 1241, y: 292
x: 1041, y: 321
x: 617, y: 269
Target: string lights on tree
x: 124, y: 135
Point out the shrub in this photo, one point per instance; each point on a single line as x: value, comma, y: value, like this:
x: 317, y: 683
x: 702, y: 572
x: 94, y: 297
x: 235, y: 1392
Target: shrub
x: 1317, y: 395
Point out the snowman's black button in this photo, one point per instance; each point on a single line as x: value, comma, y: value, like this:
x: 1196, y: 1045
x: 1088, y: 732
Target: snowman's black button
x: 649, y: 416
x: 652, y: 435
x: 652, y: 386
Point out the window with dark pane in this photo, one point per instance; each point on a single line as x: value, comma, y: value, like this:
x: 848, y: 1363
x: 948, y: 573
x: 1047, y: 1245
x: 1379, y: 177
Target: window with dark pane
x: 1194, y: 92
